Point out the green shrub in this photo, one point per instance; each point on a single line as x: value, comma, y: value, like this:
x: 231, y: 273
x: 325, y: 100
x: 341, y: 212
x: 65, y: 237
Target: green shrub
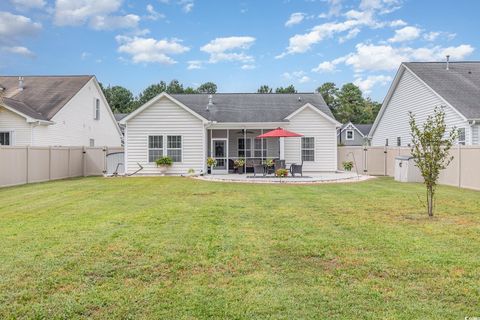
x: 347, y: 165
x: 281, y: 173
x: 164, y: 161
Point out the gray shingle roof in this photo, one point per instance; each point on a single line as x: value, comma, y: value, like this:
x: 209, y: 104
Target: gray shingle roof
x: 363, y: 128
x: 42, y: 96
x: 460, y: 85
x: 251, y: 107
x: 120, y: 116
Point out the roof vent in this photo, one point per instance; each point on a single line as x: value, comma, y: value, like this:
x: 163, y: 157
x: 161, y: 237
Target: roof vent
x: 210, y: 102
x: 20, y: 83
x: 299, y: 99
x: 448, y: 62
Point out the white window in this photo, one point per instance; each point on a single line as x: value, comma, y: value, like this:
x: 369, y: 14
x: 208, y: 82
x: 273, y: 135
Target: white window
x: 350, y: 135
x: 257, y: 153
x: 5, y: 139
x: 96, y: 111
x: 92, y: 142
x: 308, y: 149
x: 461, y: 136
x: 155, y: 148
x: 399, y: 142
x: 174, y: 148
x: 244, y: 149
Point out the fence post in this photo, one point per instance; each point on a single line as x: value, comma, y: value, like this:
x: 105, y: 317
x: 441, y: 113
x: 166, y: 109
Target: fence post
x: 385, y: 161
x: 28, y: 164
x: 84, y: 161
x: 459, y: 165
x: 68, y: 163
x: 365, y: 160
x: 49, y: 163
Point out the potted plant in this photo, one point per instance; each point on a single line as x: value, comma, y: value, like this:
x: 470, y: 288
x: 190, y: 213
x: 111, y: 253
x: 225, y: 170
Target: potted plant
x: 163, y: 164
x: 281, y: 173
x: 270, y: 164
x: 211, y: 163
x: 239, y: 165
x: 347, y: 165
x: 191, y: 172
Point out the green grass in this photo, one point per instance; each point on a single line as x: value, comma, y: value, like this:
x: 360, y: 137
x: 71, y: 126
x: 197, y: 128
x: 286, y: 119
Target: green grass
x: 176, y: 248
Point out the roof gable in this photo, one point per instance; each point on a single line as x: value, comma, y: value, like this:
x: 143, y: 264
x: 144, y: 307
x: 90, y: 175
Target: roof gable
x: 42, y: 96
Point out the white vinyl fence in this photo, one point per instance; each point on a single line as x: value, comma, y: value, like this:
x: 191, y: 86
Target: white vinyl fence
x: 463, y: 172
x: 20, y: 165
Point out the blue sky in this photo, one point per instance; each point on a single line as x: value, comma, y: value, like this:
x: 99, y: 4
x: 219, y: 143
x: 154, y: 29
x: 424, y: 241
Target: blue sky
x: 239, y: 45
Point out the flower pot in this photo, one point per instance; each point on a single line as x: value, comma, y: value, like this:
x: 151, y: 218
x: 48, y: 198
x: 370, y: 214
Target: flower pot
x: 240, y: 170
x: 162, y: 170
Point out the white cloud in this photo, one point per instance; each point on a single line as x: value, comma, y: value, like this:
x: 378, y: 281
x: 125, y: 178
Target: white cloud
x: 328, y: 66
x: 335, y: 7
x: 229, y: 49
x: 295, y: 18
x: 85, y: 55
x: 19, y: 50
x: 367, y: 84
x: 147, y: 50
x: 13, y: 27
x: 129, y: 21
x: 434, y: 35
x: 195, y: 64
x: 350, y: 35
x: 406, y: 34
x: 187, y: 5
x: 398, y: 23
x: 248, y: 67
x: 370, y: 57
x: 296, y: 76
x: 78, y: 12
x: 382, y: 6
x: 153, y: 14
x: 28, y: 4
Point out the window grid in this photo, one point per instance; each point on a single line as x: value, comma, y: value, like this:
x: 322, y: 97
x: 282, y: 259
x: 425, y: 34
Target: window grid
x: 461, y: 136
x: 97, y: 109
x: 155, y: 148
x: 349, y: 134
x: 174, y: 148
x: 308, y: 149
x: 4, y: 138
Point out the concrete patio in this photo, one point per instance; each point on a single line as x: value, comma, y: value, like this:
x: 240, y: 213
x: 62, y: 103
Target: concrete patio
x: 309, y: 177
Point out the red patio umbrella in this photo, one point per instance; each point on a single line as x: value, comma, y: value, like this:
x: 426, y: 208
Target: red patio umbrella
x: 279, y: 133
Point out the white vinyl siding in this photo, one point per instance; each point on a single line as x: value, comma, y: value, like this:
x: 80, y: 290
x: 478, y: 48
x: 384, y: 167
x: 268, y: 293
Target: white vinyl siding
x: 20, y: 131
x: 74, y: 124
x: 311, y: 124
x: 411, y: 95
x: 476, y: 134
x: 165, y: 118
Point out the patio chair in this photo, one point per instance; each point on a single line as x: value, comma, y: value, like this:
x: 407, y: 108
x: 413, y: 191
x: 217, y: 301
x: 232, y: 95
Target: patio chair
x: 296, y: 169
x: 258, y: 168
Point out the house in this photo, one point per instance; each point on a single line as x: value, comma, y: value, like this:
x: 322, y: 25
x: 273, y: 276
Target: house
x: 55, y: 111
x: 419, y: 87
x: 192, y: 127
x: 354, y: 134
x: 118, y: 117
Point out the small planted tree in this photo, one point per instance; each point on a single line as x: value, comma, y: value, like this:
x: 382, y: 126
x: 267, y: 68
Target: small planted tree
x: 430, y: 148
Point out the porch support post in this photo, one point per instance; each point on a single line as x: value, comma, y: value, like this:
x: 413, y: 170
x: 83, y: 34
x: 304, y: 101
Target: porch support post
x: 282, y: 148
x: 261, y: 142
x: 245, y: 151
x: 228, y: 151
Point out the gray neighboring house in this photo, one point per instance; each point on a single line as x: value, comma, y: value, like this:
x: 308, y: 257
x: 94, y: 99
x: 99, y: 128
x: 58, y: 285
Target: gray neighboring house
x: 419, y: 87
x: 118, y: 118
x: 354, y: 134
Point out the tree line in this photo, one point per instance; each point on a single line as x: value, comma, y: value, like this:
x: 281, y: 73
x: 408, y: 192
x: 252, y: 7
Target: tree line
x: 346, y: 103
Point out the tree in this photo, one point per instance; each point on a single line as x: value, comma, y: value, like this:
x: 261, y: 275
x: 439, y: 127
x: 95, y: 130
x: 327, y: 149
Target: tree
x: 264, y: 89
x: 370, y: 111
x: 175, y: 87
x: 119, y: 98
x: 151, y: 92
x: 207, y: 87
x: 190, y: 90
x: 329, y: 92
x: 289, y: 89
x: 351, y: 104
x: 430, y: 148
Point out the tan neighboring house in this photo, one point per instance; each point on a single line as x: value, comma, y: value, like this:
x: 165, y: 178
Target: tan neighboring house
x: 55, y: 111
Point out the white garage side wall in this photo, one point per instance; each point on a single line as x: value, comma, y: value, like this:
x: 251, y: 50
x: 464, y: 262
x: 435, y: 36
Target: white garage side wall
x: 21, y: 131
x: 411, y: 95
x: 75, y: 124
x: 311, y: 124
x: 165, y: 118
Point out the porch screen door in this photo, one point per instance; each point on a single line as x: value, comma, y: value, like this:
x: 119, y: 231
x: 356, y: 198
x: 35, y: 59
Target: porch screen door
x: 219, y: 147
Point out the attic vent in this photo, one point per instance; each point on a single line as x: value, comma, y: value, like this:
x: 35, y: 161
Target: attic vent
x: 299, y: 99
x: 210, y: 102
x: 448, y: 62
x: 20, y: 83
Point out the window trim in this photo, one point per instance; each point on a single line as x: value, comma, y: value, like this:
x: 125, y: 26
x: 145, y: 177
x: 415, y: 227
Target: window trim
x: 166, y: 148
x: 301, y: 149
x: 10, y: 137
x: 464, y: 141
x: 148, y: 146
x: 96, y: 109
x: 353, y: 134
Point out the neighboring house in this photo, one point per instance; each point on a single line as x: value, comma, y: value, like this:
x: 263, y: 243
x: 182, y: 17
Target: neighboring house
x: 55, y: 111
x: 419, y: 87
x: 118, y: 117
x: 191, y: 127
x: 354, y: 134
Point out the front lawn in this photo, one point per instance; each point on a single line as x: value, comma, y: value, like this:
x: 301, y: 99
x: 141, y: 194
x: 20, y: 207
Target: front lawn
x: 176, y: 248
